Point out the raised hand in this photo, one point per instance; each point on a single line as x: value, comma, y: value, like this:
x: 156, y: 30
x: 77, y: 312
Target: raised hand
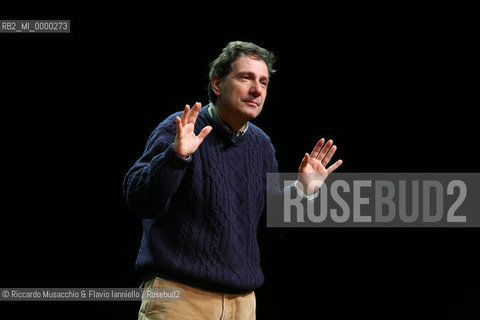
x: 313, y: 170
x: 186, y: 142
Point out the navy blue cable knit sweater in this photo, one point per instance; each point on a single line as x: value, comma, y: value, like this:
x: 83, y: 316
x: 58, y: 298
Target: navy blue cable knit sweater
x: 200, y: 216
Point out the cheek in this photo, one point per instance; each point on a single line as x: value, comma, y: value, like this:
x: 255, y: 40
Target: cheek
x: 242, y: 90
x: 233, y: 91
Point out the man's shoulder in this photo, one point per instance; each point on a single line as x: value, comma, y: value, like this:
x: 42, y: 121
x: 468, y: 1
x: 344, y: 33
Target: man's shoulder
x: 165, y: 129
x: 171, y: 118
x: 258, y: 133
x: 168, y: 123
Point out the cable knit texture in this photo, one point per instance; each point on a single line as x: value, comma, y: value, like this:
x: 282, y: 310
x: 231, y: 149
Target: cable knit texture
x: 200, y: 216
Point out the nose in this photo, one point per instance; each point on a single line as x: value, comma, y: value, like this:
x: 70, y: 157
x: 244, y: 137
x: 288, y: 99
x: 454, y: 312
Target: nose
x: 256, y: 89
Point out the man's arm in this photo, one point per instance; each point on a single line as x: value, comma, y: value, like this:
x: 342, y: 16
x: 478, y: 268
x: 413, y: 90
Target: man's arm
x: 154, y: 179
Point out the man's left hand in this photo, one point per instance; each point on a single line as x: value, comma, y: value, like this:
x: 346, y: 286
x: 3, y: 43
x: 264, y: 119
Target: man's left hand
x: 313, y: 170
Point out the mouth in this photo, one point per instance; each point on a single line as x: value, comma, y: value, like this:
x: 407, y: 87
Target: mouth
x: 252, y: 103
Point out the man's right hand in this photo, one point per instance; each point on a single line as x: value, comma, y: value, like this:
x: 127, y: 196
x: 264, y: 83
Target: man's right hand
x: 186, y: 142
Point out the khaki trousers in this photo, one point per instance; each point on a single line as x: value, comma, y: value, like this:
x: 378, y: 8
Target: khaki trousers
x: 196, y: 304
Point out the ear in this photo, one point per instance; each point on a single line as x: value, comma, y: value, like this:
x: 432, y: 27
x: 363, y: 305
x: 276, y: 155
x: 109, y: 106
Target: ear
x: 217, y: 84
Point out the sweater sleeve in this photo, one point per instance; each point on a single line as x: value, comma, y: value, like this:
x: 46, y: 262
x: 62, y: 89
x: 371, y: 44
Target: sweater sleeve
x: 152, y: 181
x: 271, y: 166
x: 271, y: 236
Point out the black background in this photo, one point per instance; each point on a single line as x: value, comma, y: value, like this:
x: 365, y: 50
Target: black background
x: 395, y: 87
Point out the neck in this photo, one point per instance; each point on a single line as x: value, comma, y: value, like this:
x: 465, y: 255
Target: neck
x: 234, y: 122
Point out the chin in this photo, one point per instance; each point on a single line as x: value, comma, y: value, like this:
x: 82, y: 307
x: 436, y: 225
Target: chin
x: 251, y: 115
x: 252, y: 112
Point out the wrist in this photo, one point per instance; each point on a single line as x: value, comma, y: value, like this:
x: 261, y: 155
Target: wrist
x: 184, y: 156
x: 306, y: 194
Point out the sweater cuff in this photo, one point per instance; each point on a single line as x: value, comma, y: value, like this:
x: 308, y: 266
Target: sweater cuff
x: 177, y: 160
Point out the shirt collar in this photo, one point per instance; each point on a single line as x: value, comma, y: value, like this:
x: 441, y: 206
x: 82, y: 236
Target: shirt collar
x: 212, y: 110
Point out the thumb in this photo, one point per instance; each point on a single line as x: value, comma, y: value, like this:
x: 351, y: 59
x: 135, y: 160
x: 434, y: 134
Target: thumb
x: 205, y: 131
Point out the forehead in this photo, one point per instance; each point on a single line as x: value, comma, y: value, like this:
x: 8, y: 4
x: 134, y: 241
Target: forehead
x: 250, y: 64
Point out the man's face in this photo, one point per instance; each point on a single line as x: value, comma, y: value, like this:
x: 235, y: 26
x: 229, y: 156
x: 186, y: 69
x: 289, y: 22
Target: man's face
x: 244, y: 89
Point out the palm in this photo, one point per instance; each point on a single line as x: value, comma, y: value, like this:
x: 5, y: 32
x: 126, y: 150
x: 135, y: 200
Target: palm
x: 186, y: 142
x: 313, y: 170
x: 314, y: 166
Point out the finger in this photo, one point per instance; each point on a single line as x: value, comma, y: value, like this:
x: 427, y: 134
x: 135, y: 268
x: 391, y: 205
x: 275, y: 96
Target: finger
x: 179, y: 125
x: 205, y: 131
x: 325, y: 149
x: 193, y: 114
x: 318, y: 147
x: 185, y: 114
x: 334, y: 166
x: 305, y: 162
x: 329, y: 155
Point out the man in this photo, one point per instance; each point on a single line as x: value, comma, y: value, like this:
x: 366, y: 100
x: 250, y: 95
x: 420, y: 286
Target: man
x: 200, y: 188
